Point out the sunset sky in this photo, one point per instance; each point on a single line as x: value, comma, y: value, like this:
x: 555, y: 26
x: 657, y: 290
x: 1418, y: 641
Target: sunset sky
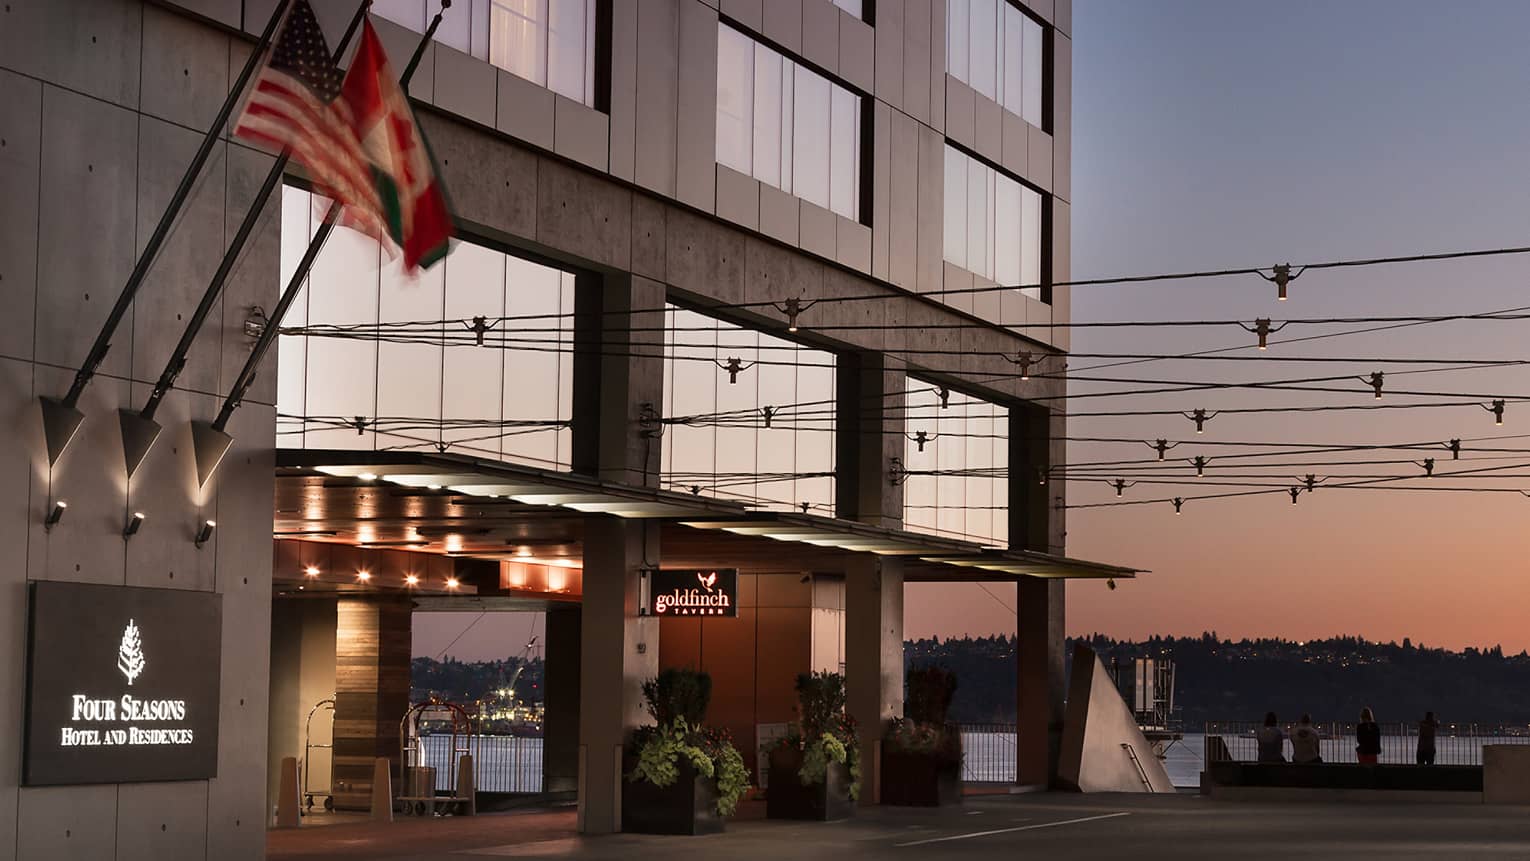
x: 1237, y: 133
x: 1232, y: 134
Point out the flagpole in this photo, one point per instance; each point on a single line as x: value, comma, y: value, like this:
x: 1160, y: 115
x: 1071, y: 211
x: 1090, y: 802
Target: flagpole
x: 211, y: 441
x: 139, y: 430
x: 62, y: 417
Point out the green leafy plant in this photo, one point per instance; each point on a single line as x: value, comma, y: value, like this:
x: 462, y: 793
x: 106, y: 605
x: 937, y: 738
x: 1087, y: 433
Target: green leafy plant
x: 923, y: 728
x: 678, y: 694
x: 825, y: 733
x: 678, y: 701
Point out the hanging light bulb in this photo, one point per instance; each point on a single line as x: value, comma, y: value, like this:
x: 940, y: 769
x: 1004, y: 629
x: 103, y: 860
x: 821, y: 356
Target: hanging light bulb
x: 1310, y: 481
x: 1200, y: 417
x: 1428, y: 466
x: 1178, y: 503
x: 1455, y: 449
x: 1024, y: 359
x: 945, y: 397
x: 1262, y: 328
x: 769, y: 413
x: 791, y: 308
x: 920, y: 438
x: 1497, y: 410
x: 1162, y: 446
x: 1120, y: 486
x: 1294, y: 491
x: 1200, y: 466
x: 1281, y: 275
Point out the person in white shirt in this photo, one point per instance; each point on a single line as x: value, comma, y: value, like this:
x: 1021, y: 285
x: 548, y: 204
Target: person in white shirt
x: 1305, y: 747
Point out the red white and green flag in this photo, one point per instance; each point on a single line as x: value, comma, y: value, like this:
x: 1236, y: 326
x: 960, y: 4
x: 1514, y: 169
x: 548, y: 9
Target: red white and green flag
x: 411, y: 200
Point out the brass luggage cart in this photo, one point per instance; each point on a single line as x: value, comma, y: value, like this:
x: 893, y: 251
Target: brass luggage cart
x: 425, y: 730
x: 309, y: 746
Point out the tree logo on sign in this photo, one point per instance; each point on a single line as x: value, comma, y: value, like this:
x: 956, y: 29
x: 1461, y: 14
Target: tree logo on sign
x: 130, y: 658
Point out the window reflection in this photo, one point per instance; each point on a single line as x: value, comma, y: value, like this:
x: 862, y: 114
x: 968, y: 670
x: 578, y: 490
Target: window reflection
x: 958, y: 486
x: 725, y: 449
x: 787, y: 125
x: 428, y: 382
x: 992, y: 223
x: 997, y: 49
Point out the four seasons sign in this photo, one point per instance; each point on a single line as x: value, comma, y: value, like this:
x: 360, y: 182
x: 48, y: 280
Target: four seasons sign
x: 122, y: 684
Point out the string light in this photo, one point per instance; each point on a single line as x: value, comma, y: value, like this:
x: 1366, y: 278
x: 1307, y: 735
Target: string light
x: 1375, y: 382
x: 1121, y: 485
x: 1161, y: 446
x: 1281, y: 275
x: 1200, y: 462
x: 945, y: 397
x: 769, y: 413
x: 1497, y: 410
x: 1428, y: 466
x: 411, y: 580
x: 1263, y: 329
x: 920, y: 438
x: 1178, y: 504
x: 311, y: 571
x: 791, y: 308
x: 1200, y: 418
x: 1294, y: 491
x: 364, y: 575
x: 1455, y: 449
x: 734, y: 367
x: 1025, y: 358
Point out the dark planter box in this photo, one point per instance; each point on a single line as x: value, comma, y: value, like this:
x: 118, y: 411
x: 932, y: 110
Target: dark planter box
x: 920, y: 780
x: 787, y: 798
x: 688, y: 806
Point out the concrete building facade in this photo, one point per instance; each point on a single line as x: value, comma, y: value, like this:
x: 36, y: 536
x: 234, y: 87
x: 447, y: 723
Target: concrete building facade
x: 900, y: 167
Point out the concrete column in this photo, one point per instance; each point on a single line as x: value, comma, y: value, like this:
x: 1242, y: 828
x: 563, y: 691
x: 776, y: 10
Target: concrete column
x: 619, y: 381
x: 302, y: 674
x: 870, y: 425
x: 1036, y: 524
x: 372, y: 646
x: 560, y: 692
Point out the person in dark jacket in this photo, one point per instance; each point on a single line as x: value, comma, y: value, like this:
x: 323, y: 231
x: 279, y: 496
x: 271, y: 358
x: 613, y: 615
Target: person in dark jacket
x: 1368, y: 736
x: 1271, y: 739
x: 1426, y: 728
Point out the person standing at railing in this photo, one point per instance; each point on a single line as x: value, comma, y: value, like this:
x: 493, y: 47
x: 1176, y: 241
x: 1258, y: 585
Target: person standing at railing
x: 1368, y: 736
x: 1305, y: 747
x: 1426, y: 728
x: 1271, y: 740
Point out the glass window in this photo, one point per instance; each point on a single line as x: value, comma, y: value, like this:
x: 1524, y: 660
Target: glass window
x: 787, y: 125
x: 547, y: 42
x: 992, y: 223
x: 997, y: 49
x: 958, y: 480
x: 430, y: 383
x: 727, y: 448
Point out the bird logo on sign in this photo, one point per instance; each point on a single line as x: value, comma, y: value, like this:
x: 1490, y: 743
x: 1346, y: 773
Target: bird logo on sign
x: 708, y: 579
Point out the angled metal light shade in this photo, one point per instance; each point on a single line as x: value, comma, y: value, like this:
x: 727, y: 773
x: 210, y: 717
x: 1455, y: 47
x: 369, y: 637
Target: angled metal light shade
x: 208, y: 445
x: 60, y: 422
x: 138, y: 436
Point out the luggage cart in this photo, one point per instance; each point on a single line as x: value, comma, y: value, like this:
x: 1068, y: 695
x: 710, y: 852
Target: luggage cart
x: 309, y: 746
x: 417, y: 780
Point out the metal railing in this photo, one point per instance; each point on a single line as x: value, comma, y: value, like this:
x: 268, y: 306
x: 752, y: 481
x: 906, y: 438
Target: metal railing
x: 501, y: 763
x: 988, y: 752
x: 1454, y: 744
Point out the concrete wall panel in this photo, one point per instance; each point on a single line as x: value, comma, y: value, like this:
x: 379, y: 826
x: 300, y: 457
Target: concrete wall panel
x: 775, y: 274
x: 857, y: 52
x: 854, y: 245
x: 86, y: 546
x: 738, y: 198
x: 780, y: 214
x: 226, y: 12
x: 750, y: 13
x: 90, y: 46
x: 881, y: 188
x: 20, y: 163
x: 256, y: 280
x: 649, y: 250
x: 657, y: 116
x: 400, y: 42
x: 185, y: 69
x: 581, y: 133
x: 89, y: 167
x: 185, y: 263
x: 526, y: 111
x: 67, y: 823
x: 696, y: 141
x: 18, y: 418
x: 917, y: 83
x: 783, y: 24
x: 904, y: 203
x: 579, y: 214
x: 465, y: 86
x: 162, y: 820
x: 705, y: 258
x: 819, y: 231
x: 820, y: 34
x: 624, y: 59
x: 164, y: 554
x: 490, y: 183
x: 931, y: 209
x: 889, y: 52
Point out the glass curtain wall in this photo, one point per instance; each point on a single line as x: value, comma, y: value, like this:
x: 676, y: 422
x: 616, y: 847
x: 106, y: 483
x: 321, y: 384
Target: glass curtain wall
x: 992, y: 223
x: 786, y: 125
x: 548, y: 42
x: 995, y: 48
x: 408, y: 373
x: 960, y: 480
x: 719, y: 444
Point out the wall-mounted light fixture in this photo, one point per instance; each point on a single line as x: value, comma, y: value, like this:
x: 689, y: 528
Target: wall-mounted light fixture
x: 55, y: 515
x: 311, y: 571
x: 363, y: 575
x: 205, y: 534
x: 411, y: 580
x: 133, y: 525
x: 452, y: 583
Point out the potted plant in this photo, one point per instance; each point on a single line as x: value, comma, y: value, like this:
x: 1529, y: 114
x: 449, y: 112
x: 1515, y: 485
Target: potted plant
x: 922, y: 753
x: 815, y: 770
x: 682, y: 778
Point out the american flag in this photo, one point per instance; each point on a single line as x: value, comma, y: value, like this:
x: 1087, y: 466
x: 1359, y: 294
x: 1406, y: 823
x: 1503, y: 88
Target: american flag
x: 294, y: 105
